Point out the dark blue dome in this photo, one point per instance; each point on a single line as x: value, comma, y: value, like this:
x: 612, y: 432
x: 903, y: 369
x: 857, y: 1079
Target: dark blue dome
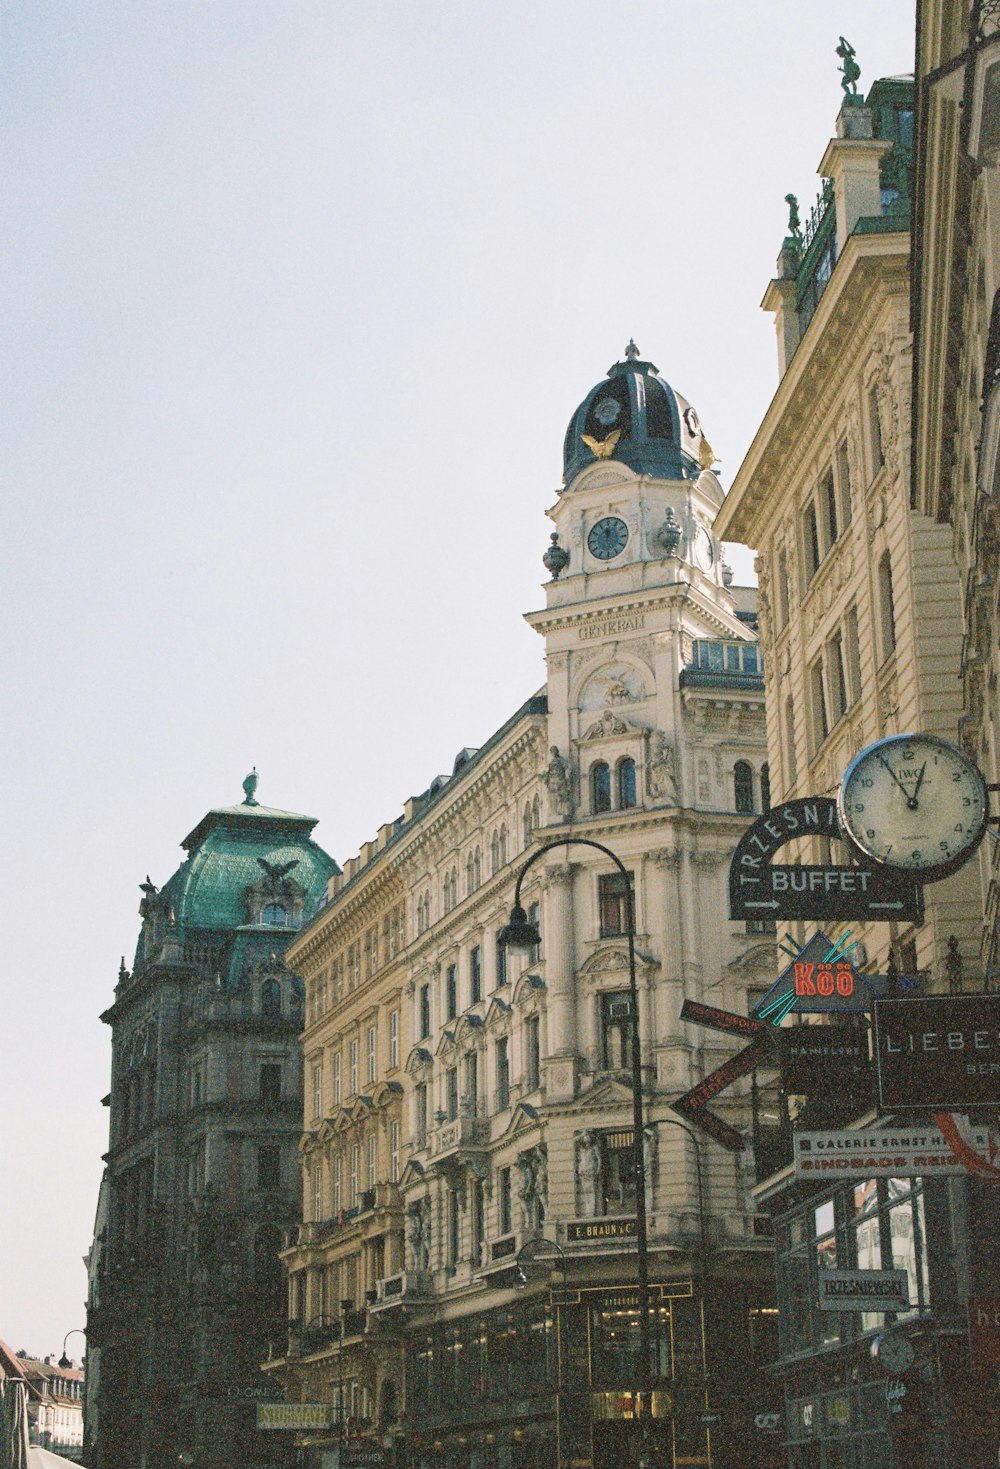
x: 658, y: 432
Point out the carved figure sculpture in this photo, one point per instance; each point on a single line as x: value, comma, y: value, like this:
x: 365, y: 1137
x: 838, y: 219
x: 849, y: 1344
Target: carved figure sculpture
x: 662, y: 781
x: 419, y: 1236
x: 850, y: 71
x: 557, y: 781
x: 588, y: 1171
x: 650, y: 1152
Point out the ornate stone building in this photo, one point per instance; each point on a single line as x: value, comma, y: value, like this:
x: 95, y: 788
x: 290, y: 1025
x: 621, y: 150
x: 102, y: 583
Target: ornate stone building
x: 956, y: 378
x: 517, y: 1103
x: 861, y: 617
x: 202, y: 1178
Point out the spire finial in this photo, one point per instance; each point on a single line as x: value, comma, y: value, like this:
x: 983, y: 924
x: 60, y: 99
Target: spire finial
x: 631, y: 351
x: 249, y: 787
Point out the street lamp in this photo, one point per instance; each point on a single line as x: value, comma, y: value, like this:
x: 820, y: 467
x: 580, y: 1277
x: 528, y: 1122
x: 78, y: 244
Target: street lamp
x: 64, y: 1361
x: 521, y: 934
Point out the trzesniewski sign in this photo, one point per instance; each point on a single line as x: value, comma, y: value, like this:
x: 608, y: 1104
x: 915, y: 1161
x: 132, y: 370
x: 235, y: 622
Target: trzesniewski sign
x: 863, y: 1290
x: 938, y: 1053
x: 873, y: 1152
x: 294, y: 1415
x: 759, y: 889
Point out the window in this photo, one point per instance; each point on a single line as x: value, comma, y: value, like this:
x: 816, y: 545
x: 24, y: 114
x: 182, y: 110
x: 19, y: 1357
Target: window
x: 810, y: 541
x: 394, y: 1152
x: 765, y: 787
x: 791, y: 770
x: 501, y: 962
x: 420, y: 1113
x: 470, y: 874
x: 471, y: 1095
x: 317, y: 1191
x: 425, y: 1012
x: 532, y: 1054
x: 839, y: 698
x: 372, y: 1035
x: 353, y: 1054
x: 478, y: 1222
x: 502, y: 1075
x: 451, y: 992
x: 781, y: 582
x: 600, y: 787
x: 853, y: 654
x: 616, y: 1030
x: 617, y: 1178
x: 874, y: 432
x: 337, y: 1098
x: 503, y: 1200
x: 355, y: 1169
x: 394, y: 1038
x: 477, y: 863
x: 451, y: 1093
x: 275, y: 914
x: 526, y: 826
x: 453, y: 1221
x: 372, y: 1160
x: 475, y: 975
x: 268, y: 1166
x: 270, y: 1083
x: 495, y: 852
x: 887, y: 615
x: 625, y: 773
x: 843, y: 469
x: 338, y: 1201
x: 821, y: 721
x: 828, y: 503
x: 534, y: 916
x: 613, y: 891
x: 743, y: 785
x: 270, y: 999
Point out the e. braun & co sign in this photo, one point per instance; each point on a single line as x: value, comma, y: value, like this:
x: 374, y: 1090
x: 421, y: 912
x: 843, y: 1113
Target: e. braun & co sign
x: 938, y: 1053
x: 760, y: 889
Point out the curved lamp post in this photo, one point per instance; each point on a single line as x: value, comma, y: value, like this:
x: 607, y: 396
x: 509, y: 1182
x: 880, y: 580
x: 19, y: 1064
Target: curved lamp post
x: 64, y: 1360
x: 520, y: 934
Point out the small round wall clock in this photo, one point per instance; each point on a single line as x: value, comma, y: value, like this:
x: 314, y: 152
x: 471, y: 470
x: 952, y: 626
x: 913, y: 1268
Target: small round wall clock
x: 893, y: 1351
x: 914, y: 803
x: 608, y: 538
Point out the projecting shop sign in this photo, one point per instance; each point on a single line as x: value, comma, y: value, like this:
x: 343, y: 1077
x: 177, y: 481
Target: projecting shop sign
x: 938, y: 1053
x: 863, y: 1290
x: 758, y: 889
x: 879, y: 1153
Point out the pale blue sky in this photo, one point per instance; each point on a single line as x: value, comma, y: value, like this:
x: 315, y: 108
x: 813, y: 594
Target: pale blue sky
x: 299, y: 298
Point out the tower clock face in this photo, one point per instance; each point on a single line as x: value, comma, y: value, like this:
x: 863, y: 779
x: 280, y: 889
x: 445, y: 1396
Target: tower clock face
x: 608, y: 538
x: 915, y: 803
x: 702, y: 549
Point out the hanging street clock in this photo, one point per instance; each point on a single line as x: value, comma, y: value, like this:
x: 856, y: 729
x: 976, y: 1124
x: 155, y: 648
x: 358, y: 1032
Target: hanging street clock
x: 914, y: 803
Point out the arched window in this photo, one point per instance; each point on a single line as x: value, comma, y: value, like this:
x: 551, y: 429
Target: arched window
x: 887, y: 614
x: 626, y: 783
x: 270, y: 998
x: 743, y: 782
x: 503, y: 845
x: 600, y: 786
x: 526, y: 824
x: 536, y: 813
x: 478, y: 866
x: 276, y: 914
x: 765, y: 787
x: 495, y: 852
x: 470, y: 875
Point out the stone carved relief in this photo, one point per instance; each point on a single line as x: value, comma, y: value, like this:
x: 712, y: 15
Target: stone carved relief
x: 660, y: 775
x: 668, y: 857
x: 608, y: 724
x: 704, y: 787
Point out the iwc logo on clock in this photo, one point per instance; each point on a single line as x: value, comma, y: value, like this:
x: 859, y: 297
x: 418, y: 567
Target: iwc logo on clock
x: 608, y: 538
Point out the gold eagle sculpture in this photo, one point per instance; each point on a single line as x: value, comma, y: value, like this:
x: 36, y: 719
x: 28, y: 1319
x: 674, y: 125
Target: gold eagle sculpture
x: 602, y: 448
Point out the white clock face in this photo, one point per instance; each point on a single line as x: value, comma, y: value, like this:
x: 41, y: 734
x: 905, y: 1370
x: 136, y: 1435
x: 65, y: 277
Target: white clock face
x: 895, y: 1352
x: 915, y: 803
x: 702, y: 549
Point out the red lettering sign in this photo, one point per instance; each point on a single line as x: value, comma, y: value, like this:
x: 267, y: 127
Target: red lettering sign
x: 845, y: 979
x: 804, y: 984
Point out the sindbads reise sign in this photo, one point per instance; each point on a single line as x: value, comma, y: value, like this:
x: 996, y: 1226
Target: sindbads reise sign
x: 940, y: 1053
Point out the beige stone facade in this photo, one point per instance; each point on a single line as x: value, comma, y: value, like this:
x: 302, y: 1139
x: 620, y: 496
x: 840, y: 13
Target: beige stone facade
x: 956, y: 400
x: 860, y: 596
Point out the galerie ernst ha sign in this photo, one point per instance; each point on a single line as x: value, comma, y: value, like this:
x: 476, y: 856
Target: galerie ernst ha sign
x: 874, y: 1152
x: 938, y: 1053
x: 759, y: 889
x: 863, y: 1290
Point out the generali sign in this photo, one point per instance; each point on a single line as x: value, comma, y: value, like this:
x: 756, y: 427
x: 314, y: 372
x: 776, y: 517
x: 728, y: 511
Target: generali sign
x: 879, y: 1153
x: 939, y: 1053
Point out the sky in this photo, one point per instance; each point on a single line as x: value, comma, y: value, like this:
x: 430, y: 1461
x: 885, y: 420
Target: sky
x: 299, y: 298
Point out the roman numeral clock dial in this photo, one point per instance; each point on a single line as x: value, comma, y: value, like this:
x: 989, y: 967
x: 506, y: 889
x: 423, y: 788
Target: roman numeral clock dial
x: 915, y: 803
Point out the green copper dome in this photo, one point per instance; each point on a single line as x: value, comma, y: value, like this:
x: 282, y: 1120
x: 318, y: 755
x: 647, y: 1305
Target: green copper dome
x: 249, y: 868
x: 634, y: 417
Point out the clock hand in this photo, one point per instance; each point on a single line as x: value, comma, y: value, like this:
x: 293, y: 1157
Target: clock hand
x: 883, y: 761
x: 911, y: 801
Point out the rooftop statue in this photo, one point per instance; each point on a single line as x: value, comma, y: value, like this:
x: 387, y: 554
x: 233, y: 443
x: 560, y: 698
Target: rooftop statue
x: 850, y: 71
x: 249, y: 787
